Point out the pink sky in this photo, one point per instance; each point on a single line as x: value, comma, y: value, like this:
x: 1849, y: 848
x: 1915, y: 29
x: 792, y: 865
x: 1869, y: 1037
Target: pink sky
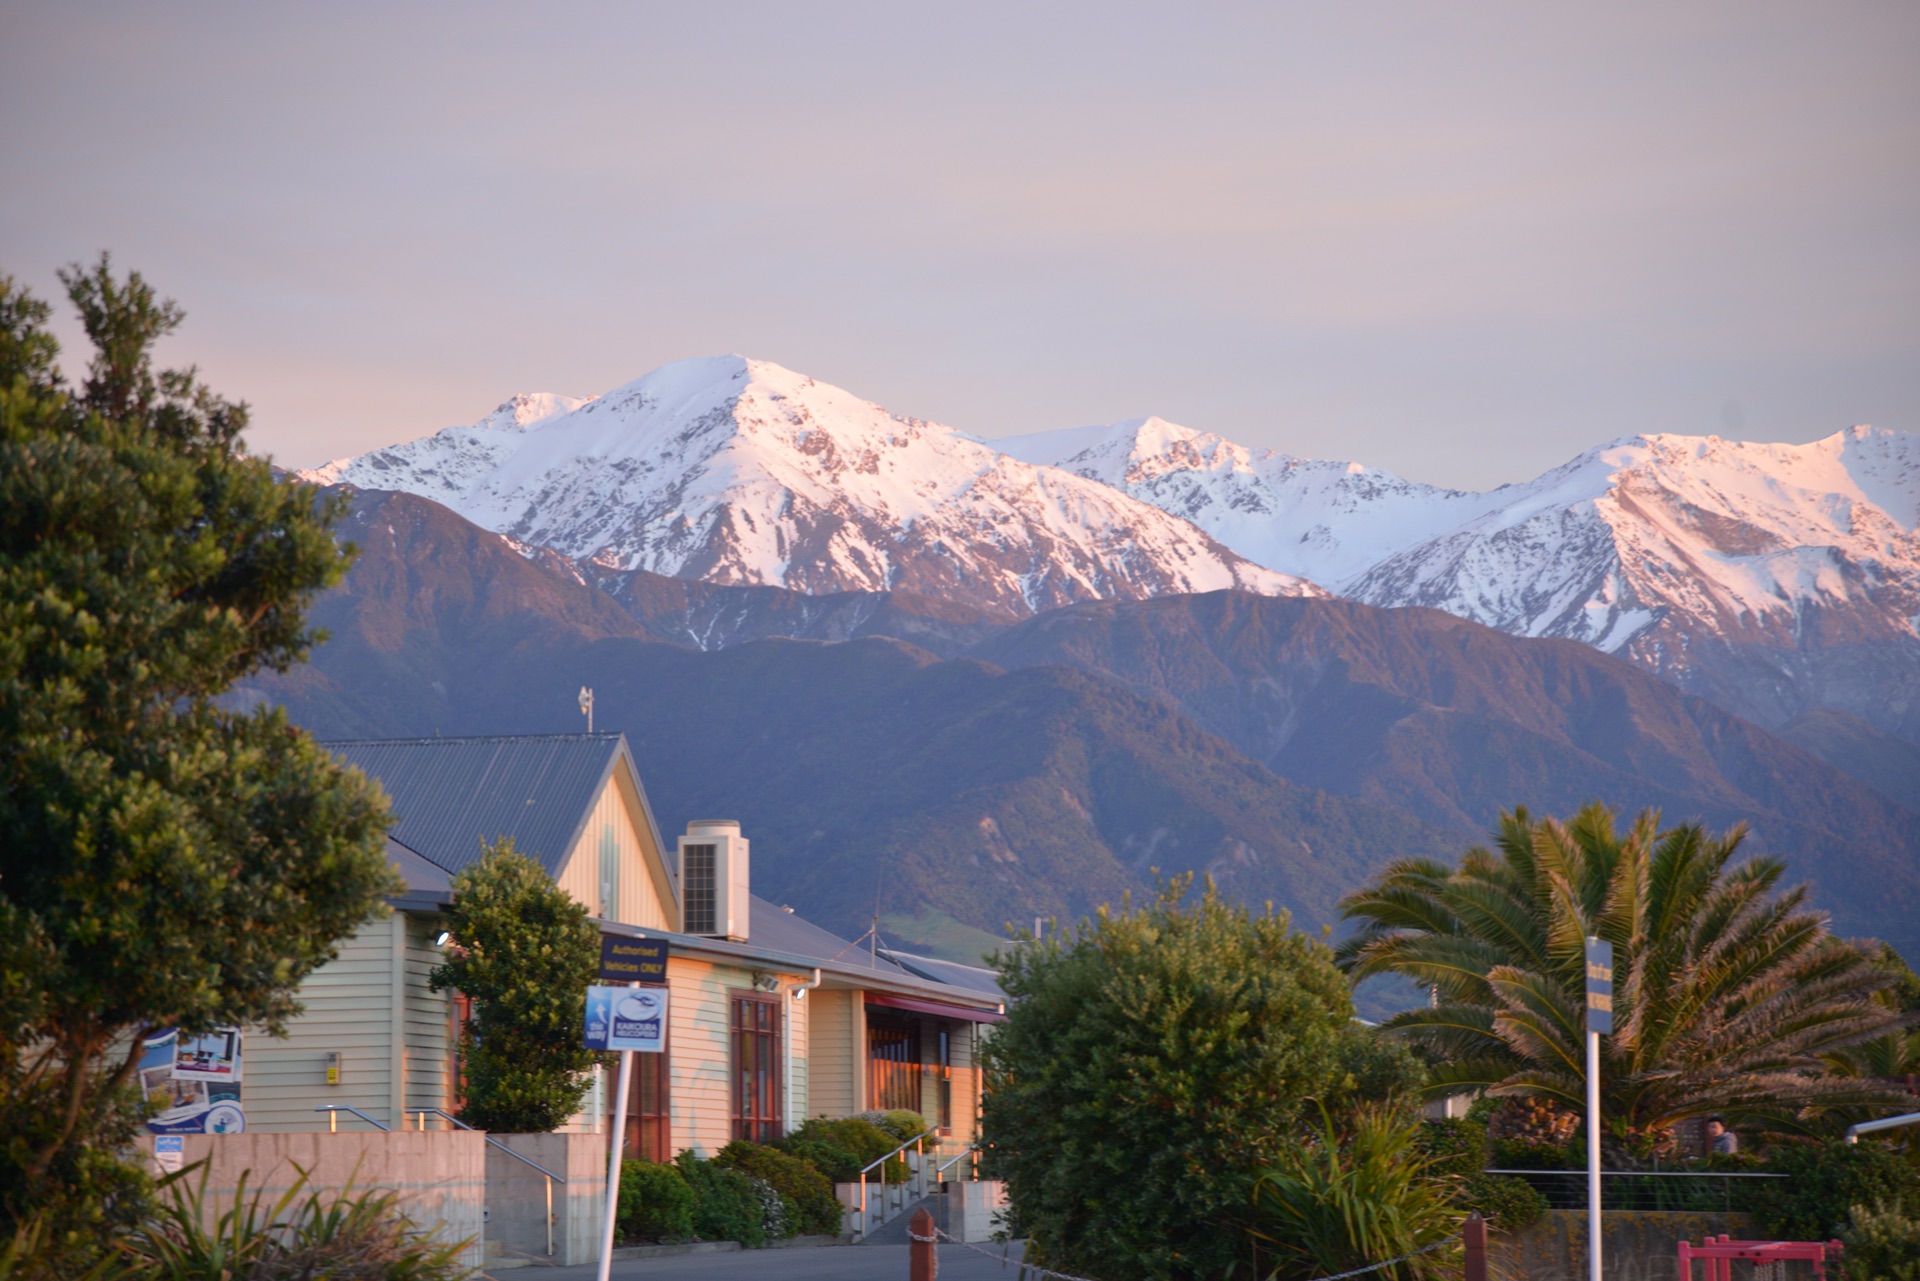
x: 1461, y: 242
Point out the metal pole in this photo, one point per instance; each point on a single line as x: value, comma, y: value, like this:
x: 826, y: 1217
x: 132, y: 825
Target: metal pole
x: 1593, y: 1156
x: 616, y: 1132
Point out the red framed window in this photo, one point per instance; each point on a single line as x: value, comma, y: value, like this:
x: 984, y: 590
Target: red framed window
x: 459, y: 1014
x: 755, y: 1037
x: 649, y: 1113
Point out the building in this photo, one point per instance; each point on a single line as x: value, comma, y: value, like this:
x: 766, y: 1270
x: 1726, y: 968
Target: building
x: 772, y: 1019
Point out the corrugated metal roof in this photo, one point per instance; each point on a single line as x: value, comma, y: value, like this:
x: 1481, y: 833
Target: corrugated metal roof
x: 974, y: 977
x: 452, y: 794
x: 428, y: 887
x: 778, y: 930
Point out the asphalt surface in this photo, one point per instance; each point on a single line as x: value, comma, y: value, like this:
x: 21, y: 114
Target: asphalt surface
x: 818, y: 1263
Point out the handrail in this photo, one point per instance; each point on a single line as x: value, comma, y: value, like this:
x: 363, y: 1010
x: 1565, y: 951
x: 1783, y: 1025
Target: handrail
x: 1886, y: 1123
x: 918, y: 1142
x: 941, y: 1169
x: 333, y: 1111
x: 492, y: 1142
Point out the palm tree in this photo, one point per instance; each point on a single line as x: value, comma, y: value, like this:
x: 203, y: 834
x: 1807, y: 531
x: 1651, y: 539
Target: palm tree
x: 1727, y: 992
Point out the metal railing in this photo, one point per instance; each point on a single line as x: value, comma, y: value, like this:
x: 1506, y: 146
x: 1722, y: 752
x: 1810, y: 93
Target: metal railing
x: 1695, y: 1190
x: 333, y: 1111
x: 1885, y: 1123
x: 971, y: 1155
x: 551, y: 1177
x: 916, y: 1179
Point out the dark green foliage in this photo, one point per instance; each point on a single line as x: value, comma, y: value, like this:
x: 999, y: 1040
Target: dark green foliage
x: 655, y: 1202
x: 814, y: 1211
x: 165, y: 861
x: 1358, y: 1193
x: 1514, y: 1154
x: 1153, y: 1063
x: 1701, y: 944
x: 726, y: 1204
x: 840, y: 1147
x: 1823, y: 1183
x: 1459, y: 1149
x: 1882, y: 1244
x: 526, y: 952
x: 901, y: 1123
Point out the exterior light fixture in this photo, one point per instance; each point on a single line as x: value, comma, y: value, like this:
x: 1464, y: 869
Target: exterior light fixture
x: 441, y: 939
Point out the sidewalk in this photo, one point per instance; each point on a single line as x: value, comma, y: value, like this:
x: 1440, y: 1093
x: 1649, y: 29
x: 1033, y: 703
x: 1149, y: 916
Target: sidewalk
x: 824, y: 1263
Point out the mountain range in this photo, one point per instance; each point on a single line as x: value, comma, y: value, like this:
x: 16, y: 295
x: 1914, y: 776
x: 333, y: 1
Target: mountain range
x: 1286, y: 746
x: 1778, y: 581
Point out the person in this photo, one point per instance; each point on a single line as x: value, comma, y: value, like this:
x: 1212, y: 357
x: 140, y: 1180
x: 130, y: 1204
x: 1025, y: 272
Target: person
x: 1721, y: 1140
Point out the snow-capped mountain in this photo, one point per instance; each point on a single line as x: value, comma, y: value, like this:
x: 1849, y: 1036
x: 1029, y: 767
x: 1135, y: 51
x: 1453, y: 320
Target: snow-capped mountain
x: 737, y: 471
x: 1326, y: 521
x: 1768, y: 577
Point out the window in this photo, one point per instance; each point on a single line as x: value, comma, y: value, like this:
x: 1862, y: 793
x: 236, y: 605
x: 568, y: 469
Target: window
x: 893, y: 1061
x: 609, y: 875
x: 648, y: 1114
x: 756, y: 1066
x: 697, y: 870
x: 459, y: 1014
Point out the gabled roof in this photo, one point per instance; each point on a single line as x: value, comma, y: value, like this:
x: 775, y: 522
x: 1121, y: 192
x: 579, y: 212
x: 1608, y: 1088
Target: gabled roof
x: 428, y: 889
x: 452, y: 794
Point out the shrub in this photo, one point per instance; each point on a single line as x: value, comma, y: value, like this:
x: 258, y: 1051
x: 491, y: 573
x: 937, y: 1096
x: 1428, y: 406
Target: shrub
x: 1355, y: 1195
x: 902, y: 1123
x: 840, y: 1148
x: 655, y: 1202
x: 1825, y: 1182
x: 301, y: 1235
x: 1459, y: 1149
x: 1883, y: 1244
x: 814, y: 1209
x: 1153, y: 1064
x: 726, y: 1205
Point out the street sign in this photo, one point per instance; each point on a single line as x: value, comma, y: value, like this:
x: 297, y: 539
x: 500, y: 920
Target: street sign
x: 1599, y: 986
x: 632, y: 960
x: 627, y: 1018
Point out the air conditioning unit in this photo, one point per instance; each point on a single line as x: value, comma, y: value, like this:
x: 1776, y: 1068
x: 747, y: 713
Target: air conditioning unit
x: 713, y: 879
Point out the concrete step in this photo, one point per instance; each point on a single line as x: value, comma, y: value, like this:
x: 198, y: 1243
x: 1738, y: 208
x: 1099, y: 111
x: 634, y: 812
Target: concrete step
x: 894, y: 1230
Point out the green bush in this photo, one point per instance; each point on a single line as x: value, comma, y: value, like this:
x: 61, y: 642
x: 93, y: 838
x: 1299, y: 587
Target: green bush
x: 1459, y: 1149
x: 1356, y: 1194
x: 1825, y: 1182
x: 1154, y: 1063
x: 1515, y: 1154
x: 813, y: 1209
x: 726, y: 1205
x: 1883, y: 1244
x: 840, y: 1148
x: 901, y: 1123
x: 655, y: 1203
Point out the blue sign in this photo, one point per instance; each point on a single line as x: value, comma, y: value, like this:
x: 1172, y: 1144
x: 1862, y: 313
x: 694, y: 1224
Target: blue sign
x: 627, y: 1018
x: 1599, y: 986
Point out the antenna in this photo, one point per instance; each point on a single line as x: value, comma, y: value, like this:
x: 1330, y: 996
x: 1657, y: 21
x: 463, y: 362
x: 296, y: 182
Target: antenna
x: 586, y: 706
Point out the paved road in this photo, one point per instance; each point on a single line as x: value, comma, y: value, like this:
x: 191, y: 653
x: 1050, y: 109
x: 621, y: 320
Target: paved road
x: 822, y: 1263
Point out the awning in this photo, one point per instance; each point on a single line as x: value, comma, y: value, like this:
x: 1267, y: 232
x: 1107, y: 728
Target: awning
x: 940, y: 1009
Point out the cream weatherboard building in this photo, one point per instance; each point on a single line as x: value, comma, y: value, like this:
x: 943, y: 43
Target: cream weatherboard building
x: 772, y: 1019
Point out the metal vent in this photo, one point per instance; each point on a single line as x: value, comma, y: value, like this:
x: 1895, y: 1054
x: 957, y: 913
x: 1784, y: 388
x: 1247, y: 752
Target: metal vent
x: 697, y: 887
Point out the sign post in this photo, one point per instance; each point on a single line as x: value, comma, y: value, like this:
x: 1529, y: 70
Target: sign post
x: 626, y: 1019
x: 1599, y: 964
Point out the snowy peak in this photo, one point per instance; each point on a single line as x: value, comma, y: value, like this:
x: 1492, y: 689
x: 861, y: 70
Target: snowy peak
x: 742, y: 472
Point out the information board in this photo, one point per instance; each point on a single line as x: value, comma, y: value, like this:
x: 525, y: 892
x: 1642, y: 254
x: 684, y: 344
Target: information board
x: 632, y: 960
x: 627, y: 1018
x: 1599, y: 986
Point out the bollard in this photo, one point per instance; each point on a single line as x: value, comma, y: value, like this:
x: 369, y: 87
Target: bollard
x: 922, y: 1263
x: 1473, y: 1234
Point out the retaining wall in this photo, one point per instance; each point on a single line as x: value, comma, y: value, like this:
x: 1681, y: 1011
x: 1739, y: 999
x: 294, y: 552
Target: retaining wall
x: 440, y: 1175
x: 517, y: 1197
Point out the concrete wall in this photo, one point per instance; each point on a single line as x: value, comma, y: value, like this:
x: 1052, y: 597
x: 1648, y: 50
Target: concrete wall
x: 1638, y: 1245
x: 440, y: 1176
x: 517, y: 1197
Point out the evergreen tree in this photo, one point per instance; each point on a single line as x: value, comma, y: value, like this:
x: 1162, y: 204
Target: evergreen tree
x: 165, y: 861
x: 525, y: 952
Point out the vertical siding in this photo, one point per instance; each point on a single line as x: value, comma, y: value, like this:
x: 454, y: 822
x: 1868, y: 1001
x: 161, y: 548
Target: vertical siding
x: 346, y: 1011
x: 427, y: 1022
x: 616, y: 810
x: 829, y: 1061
